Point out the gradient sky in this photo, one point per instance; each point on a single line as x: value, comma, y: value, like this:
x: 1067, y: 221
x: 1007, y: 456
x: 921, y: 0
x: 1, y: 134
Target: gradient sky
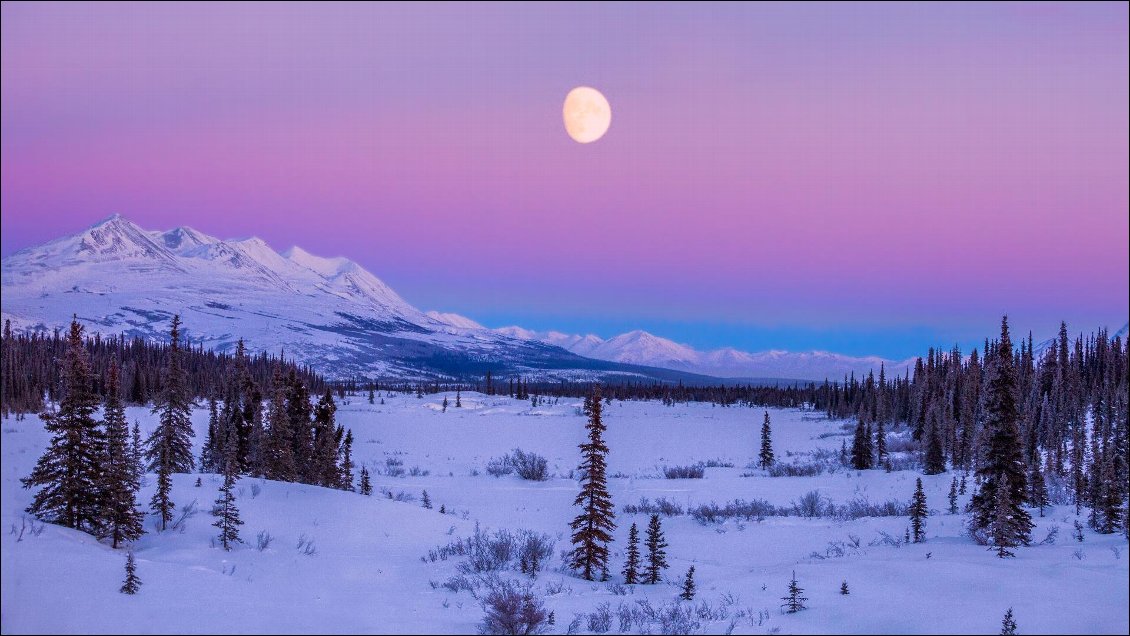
x: 867, y: 178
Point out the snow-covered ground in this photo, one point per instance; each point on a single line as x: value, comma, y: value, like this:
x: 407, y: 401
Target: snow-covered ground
x: 366, y: 573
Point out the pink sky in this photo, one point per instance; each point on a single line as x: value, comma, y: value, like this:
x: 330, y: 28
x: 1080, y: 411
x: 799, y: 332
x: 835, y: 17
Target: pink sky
x: 834, y: 170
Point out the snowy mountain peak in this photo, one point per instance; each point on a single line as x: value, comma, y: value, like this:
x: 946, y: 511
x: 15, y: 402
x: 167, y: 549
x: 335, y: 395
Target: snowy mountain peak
x: 324, y: 267
x: 183, y: 239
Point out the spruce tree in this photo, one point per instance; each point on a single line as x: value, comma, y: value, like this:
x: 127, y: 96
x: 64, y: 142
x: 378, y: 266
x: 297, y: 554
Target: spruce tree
x: 953, y: 496
x: 208, y: 453
x: 345, y: 469
x: 1008, y: 625
x: 372, y: 396
x: 765, y: 459
x: 1002, y: 471
x: 121, y: 520
x: 225, y: 511
x: 427, y: 501
x: 592, y: 528
x: 656, y: 553
x: 170, y: 445
x: 322, y: 467
x: 794, y: 602
x: 366, y: 484
x: 1038, y: 488
x: 69, y: 472
x: 880, y: 441
x: 860, y: 448
x: 688, y: 586
x: 632, y: 564
x: 844, y: 588
x: 935, y: 462
x: 918, y: 513
x: 278, y: 446
x: 161, y: 504
x: 458, y: 399
x: 444, y: 406
x: 132, y: 583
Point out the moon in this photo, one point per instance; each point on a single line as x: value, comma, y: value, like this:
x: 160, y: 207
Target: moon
x: 587, y: 114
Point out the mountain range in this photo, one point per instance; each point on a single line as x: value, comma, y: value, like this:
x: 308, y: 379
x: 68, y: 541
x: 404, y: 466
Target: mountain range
x: 333, y: 314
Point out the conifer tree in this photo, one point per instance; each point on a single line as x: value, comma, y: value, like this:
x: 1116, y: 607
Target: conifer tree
x: 688, y: 586
x: 458, y: 399
x: 765, y: 459
x: 121, y: 520
x: 953, y: 496
x: 444, y: 405
x: 844, y: 588
x: 366, y: 484
x: 592, y: 528
x: 170, y: 445
x: 860, y: 448
x: 225, y: 511
x: 137, y: 452
x: 632, y: 564
x: 656, y: 552
x: 160, y: 503
x: 427, y: 501
x: 880, y: 441
x: 278, y: 446
x: 918, y: 513
x: 794, y: 602
x: 935, y: 462
x: 132, y: 583
x: 322, y: 467
x: 69, y: 471
x: 208, y: 453
x: 1037, y: 488
x: 1008, y: 625
x: 345, y: 469
x: 372, y: 396
x: 1004, y: 486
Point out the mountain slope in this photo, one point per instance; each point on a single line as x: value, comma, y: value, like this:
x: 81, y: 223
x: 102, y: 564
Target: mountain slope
x: 328, y: 312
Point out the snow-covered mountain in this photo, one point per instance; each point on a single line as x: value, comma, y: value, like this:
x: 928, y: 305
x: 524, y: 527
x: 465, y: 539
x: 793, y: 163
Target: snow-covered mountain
x: 328, y: 312
x: 331, y: 313
x: 643, y: 348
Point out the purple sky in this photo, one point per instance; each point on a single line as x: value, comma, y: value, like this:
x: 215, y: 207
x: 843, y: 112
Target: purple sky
x: 861, y: 178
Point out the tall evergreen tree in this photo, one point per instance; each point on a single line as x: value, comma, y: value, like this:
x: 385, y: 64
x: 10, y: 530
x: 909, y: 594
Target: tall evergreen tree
x: 998, y: 513
x: 208, y: 453
x: 121, y: 520
x: 656, y: 551
x: 860, y: 448
x: 765, y: 458
x: 345, y: 469
x: 1037, y: 488
x: 170, y: 445
x: 935, y: 462
x: 132, y: 583
x: 225, y: 510
x: 69, y: 472
x: 278, y: 445
x: 632, y: 563
x: 161, y: 503
x: 592, y: 528
x: 918, y: 513
x: 427, y: 501
x: 953, y: 496
x: 880, y: 441
x: 322, y: 467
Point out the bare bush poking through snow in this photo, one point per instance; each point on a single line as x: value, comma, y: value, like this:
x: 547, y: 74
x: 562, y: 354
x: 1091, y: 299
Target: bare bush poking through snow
x: 529, y: 466
x: 694, y: 471
x: 661, y: 506
x: 513, y: 609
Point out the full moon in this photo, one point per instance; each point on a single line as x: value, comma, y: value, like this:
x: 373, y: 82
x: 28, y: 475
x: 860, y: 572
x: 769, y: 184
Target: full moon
x: 587, y: 114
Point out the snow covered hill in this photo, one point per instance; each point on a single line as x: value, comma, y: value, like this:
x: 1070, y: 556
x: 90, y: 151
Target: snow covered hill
x: 643, y: 348
x: 327, y: 312
x: 330, y: 313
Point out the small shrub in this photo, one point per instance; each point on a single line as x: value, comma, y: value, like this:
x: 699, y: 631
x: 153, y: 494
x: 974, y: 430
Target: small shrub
x: 661, y: 506
x: 512, y: 609
x: 694, y: 471
x: 263, y: 540
x: 600, y: 620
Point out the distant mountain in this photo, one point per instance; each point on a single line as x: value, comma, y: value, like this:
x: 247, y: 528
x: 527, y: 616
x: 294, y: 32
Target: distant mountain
x: 333, y: 314
x: 327, y: 312
x: 643, y: 348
